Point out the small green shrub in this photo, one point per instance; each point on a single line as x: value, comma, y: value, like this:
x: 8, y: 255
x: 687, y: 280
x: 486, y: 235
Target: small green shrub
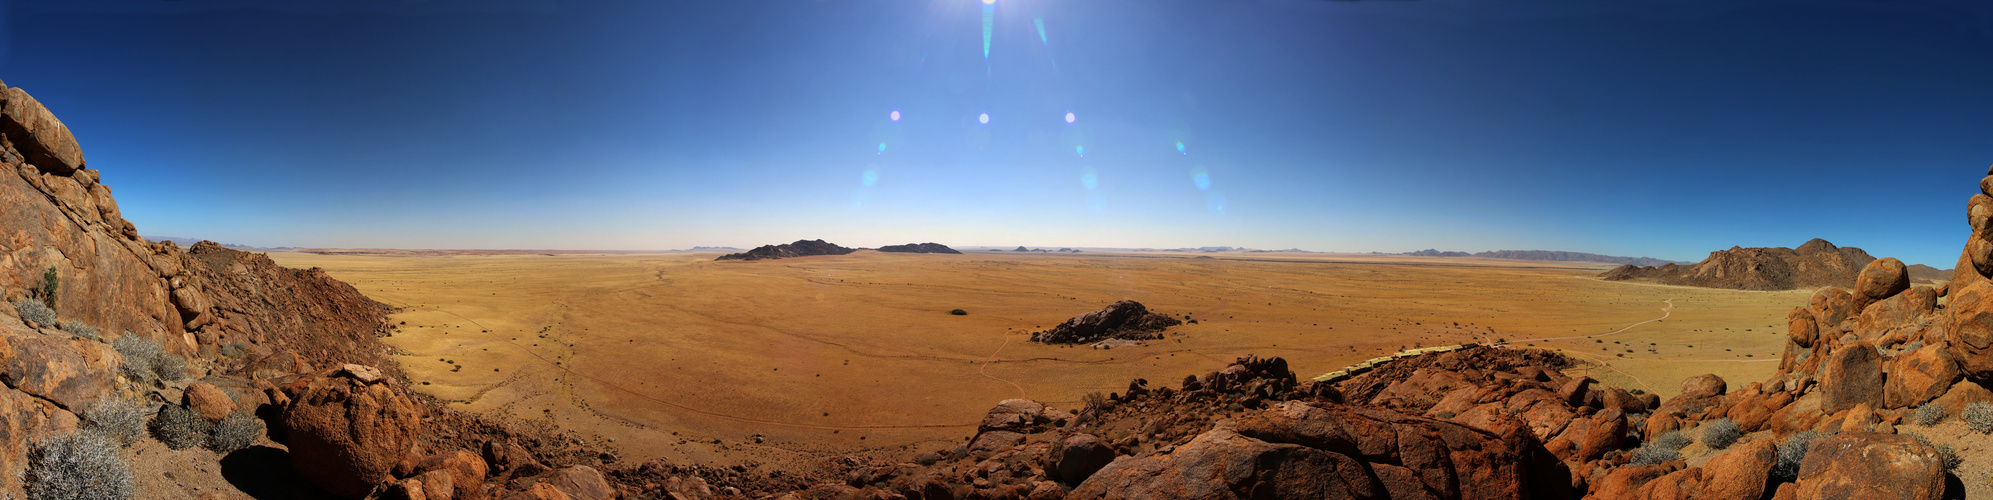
x: 1929, y: 414
x: 35, y: 311
x: 121, y: 419
x: 1673, y: 440
x: 1720, y: 433
x: 83, y: 465
x: 1791, y: 453
x: 236, y: 432
x: 1978, y: 417
x: 959, y: 312
x: 51, y: 282
x: 1913, y: 345
x: 1653, y: 455
x: 179, y: 427
x: 80, y: 329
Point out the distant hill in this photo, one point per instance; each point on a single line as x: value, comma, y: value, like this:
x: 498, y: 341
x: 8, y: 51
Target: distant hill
x: 1816, y: 263
x: 801, y: 248
x: 1549, y: 255
x: 918, y: 248
x: 188, y: 242
x: 1920, y: 272
x: 712, y: 249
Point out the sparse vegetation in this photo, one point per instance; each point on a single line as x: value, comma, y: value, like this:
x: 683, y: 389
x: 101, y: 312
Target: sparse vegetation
x: 119, y: 418
x: 79, y: 329
x: 1929, y: 414
x: 35, y: 311
x: 146, y: 361
x: 1672, y: 440
x: 179, y: 427
x: 1978, y: 417
x: 1720, y: 433
x: 1653, y: 455
x: 1945, y: 452
x: 236, y: 432
x: 1791, y: 453
x: 82, y: 465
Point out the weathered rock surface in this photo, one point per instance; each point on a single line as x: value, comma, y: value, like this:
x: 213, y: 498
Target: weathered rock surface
x: 1880, y: 279
x: 1852, y: 375
x: 1863, y: 465
x: 347, y: 435
x: 1222, y: 464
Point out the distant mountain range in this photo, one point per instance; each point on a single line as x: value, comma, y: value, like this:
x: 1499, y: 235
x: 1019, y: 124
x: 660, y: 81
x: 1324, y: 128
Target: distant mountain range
x: 187, y: 242
x: 1550, y: 255
x: 1816, y: 263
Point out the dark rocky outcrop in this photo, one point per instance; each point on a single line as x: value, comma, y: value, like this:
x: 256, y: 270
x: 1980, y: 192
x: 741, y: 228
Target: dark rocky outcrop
x: 1814, y: 264
x: 801, y: 248
x: 919, y: 248
x: 1127, y: 320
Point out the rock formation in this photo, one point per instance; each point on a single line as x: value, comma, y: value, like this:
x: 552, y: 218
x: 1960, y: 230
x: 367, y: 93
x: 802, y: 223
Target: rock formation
x: 801, y: 248
x: 1127, y: 320
x: 919, y: 248
x: 1814, y: 264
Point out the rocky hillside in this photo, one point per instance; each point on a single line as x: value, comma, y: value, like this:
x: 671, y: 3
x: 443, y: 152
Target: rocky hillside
x: 1550, y: 255
x: 801, y: 248
x: 231, y: 376
x: 919, y: 248
x: 1125, y: 320
x: 1814, y: 264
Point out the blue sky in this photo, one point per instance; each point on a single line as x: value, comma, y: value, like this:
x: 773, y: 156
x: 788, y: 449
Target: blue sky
x: 1641, y: 128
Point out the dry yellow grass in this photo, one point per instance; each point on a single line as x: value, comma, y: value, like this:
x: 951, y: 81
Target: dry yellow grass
x: 680, y: 357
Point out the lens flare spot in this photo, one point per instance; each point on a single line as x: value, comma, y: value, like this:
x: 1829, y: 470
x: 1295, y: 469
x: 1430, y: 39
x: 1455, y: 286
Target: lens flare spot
x: 1070, y: 117
x: 1179, y: 147
x: 989, y: 26
x: 882, y: 148
x: 1089, y: 180
x: 895, y: 115
x: 1081, y: 150
x: 1203, y: 181
x: 989, y: 2
x: 870, y: 177
x: 983, y: 118
x: 1215, y: 203
x: 1040, y: 22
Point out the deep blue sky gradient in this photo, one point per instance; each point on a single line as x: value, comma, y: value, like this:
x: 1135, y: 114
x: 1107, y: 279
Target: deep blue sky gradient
x: 1643, y: 128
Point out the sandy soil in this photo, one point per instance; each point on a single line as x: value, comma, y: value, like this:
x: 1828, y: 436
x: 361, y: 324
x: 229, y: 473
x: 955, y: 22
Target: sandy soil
x: 676, y: 356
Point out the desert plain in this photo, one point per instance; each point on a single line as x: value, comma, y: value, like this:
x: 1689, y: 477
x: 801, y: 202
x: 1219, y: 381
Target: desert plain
x: 679, y: 357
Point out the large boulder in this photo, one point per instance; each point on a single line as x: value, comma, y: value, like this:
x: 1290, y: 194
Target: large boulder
x: 1895, y: 312
x: 465, y: 469
x: 1801, y: 327
x: 208, y: 401
x: 347, y: 433
x: 1704, y: 385
x: 1450, y: 460
x: 1740, y: 474
x: 1221, y: 464
x: 1863, y: 465
x: 1852, y: 375
x: 1880, y: 279
x: 1971, y: 330
x: 1919, y: 376
x: 1079, y: 456
x: 41, y: 138
x: 1831, y: 306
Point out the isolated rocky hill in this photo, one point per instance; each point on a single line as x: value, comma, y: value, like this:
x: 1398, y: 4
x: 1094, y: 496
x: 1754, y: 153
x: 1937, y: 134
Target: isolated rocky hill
x: 1550, y: 255
x: 1125, y: 320
x: 801, y: 248
x: 1816, y: 263
x: 919, y: 248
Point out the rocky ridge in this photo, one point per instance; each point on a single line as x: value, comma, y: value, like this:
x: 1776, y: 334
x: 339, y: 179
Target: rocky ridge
x: 919, y: 248
x: 1124, y: 320
x: 801, y: 248
x: 1816, y: 263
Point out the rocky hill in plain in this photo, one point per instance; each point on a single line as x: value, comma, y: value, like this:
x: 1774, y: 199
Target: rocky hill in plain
x: 1816, y: 263
x: 801, y: 248
x: 919, y: 248
x: 1551, y: 255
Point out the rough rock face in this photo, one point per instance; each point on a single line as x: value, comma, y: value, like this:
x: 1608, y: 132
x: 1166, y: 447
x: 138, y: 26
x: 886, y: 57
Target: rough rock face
x: 1871, y: 466
x: 1881, y: 279
x: 346, y: 433
x: 1852, y: 376
x: 41, y: 138
x: 801, y: 248
x: 1223, y: 464
x: 1816, y: 263
x: 1126, y: 319
x: 919, y: 248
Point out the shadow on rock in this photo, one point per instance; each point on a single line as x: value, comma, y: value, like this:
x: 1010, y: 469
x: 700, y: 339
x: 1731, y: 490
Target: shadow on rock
x: 266, y: 473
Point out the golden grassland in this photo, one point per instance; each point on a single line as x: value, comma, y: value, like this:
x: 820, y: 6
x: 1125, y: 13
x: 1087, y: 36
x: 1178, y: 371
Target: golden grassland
x: 680, y: 357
